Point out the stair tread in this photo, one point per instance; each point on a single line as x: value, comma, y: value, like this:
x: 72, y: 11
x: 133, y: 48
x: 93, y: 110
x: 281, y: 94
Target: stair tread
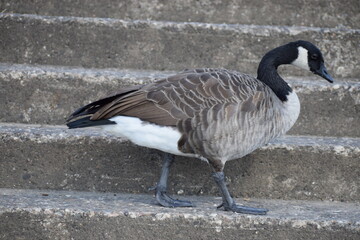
x: 140, y: 75
x: 248, y: 28
x: 297, y: 213
x: 58, y: 132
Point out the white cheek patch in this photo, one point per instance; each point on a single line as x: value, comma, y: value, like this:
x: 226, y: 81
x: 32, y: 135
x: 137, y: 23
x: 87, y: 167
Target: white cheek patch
x: 302, y: 60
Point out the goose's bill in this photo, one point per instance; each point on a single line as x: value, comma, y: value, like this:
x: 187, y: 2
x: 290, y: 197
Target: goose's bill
x: 322, y: 72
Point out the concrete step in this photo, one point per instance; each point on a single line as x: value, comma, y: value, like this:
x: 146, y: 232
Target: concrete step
x: 39, y: 214
x: 47, y: 95
x: 160, y: 45
x: 291, y: 167
x: 281, y: 12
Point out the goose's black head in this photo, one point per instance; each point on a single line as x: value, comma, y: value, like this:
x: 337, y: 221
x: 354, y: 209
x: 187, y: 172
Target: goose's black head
x: 309, y: 57
x: 300, y: 53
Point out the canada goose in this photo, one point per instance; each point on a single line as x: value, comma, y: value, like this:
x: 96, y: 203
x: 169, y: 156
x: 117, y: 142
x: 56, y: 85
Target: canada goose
x: 212, y: 114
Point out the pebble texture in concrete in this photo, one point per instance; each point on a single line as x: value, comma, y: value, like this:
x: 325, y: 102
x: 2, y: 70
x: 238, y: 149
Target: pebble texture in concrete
x: 42, y: 214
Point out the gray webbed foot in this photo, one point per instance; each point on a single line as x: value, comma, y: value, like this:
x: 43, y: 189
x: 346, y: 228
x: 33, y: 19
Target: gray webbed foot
x: 229, y: 203
x: 161, y: 196
x: 165, y: 200
x: 243, y: 209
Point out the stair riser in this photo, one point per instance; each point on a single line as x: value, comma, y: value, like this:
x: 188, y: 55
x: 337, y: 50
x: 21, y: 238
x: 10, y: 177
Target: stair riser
x: 329, y: 112
x: 333, y: 13
x: 48, y: 97
x: 58, y: 160
x: 109, y: 43
x: 66, y: 225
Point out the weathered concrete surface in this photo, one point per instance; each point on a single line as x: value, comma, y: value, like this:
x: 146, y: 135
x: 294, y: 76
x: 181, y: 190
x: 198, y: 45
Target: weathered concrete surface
x: 327, y: 109
x: 109, y: 43
x: 318, y: 13
x: 47, y: 95
x: 34, y: 214
x: 47, y: 157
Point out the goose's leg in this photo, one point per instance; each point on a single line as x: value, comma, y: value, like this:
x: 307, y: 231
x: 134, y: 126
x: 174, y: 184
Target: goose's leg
x: 161, y: 195
x: 229, y: 203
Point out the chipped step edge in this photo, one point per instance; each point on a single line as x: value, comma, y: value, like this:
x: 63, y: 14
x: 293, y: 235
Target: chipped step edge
x: 25, y: 72
x: 51, y: 133
x: 258, y: 30
x: 296, y: 213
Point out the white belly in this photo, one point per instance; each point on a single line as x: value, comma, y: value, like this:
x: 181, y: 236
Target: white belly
x: 145, y: 134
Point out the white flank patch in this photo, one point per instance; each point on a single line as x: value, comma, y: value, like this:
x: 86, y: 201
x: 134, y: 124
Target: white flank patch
x: 302, y: 60
x: 146, y: 134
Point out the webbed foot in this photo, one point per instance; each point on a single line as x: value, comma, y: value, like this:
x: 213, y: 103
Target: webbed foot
x: 165, y: 200
x: 160, y: 190
x: 229, y: 203
x: 243, y: 209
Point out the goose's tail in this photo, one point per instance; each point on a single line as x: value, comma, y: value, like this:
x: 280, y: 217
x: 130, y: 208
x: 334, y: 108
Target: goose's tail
x: 86, y: 122
x: 82, y: 117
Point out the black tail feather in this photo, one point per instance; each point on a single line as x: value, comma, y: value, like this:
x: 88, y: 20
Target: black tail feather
x: 86, y: 122
x: 83, y: 114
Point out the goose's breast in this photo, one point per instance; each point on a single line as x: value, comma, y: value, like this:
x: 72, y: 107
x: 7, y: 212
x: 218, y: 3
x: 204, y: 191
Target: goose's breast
x: 247, y: 131
x: 291, y: 111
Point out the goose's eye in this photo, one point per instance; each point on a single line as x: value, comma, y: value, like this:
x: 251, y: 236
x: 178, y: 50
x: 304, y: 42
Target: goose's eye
x: 314, y: 56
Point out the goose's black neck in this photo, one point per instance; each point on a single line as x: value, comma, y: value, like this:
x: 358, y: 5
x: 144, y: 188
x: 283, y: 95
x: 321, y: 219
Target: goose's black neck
x: 267, y: 71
